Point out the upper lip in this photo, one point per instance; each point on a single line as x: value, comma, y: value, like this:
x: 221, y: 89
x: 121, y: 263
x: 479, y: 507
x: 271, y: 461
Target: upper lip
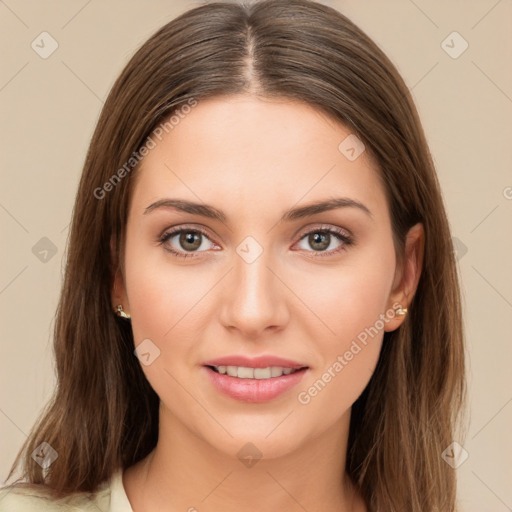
x: 255, y: 362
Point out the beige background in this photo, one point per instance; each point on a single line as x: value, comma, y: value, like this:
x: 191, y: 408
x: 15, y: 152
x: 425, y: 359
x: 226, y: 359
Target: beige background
x: 49, y: 108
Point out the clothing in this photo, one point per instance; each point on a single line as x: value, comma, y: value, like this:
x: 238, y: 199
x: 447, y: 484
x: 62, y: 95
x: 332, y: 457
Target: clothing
x: 110, y: 497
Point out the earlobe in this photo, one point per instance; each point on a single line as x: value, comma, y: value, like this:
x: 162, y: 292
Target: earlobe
x: 404, y: 290
x: 118, y: 292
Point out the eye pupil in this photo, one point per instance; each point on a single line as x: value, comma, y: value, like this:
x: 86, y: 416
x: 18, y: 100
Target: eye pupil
x: 190, y: 237
x: 319, y: 238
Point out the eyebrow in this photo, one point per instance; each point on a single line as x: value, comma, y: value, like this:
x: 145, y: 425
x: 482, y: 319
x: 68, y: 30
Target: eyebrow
x: 300, y: 212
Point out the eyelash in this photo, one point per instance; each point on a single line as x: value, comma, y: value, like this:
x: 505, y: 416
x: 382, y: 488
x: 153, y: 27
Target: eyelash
x: 341, y: 235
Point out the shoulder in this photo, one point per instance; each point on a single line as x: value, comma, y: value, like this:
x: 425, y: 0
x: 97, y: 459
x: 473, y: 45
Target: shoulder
x: 19, y: 499
x: 24, y: 498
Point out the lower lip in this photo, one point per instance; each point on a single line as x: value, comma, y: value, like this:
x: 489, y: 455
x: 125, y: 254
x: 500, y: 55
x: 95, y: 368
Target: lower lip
x: 254, y: 390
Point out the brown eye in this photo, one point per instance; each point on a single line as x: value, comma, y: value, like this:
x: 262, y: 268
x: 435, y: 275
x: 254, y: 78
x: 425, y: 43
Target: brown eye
x: 185, y: 242
x: 319, y: 240
x: 190, y: 240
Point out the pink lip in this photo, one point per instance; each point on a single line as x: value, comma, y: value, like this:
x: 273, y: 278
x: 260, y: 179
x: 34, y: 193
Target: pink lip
x: 253, y: 390
x: 255, y: 362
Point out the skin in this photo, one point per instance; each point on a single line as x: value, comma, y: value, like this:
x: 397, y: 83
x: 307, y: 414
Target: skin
x: 253, y: 159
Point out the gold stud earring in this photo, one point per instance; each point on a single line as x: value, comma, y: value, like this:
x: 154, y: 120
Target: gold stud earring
x: 118, y: 310
x: 401, y: 312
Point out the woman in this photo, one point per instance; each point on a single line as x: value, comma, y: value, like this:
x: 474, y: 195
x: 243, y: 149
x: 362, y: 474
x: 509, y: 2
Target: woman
x: 261, y: 301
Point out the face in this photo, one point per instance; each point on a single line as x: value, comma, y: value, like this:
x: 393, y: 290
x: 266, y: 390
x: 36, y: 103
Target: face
x: 314, y: 287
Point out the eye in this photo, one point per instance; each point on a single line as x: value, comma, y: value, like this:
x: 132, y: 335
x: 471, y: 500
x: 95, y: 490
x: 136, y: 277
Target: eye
x: 321, y: 239
x: 185, y: 240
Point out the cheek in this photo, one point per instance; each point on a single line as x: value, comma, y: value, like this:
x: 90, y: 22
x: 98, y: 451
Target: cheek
x: 166, y: 308
x: 348, y: 360
x: 349, y: 298
x: 162, y: 296
x: 352, y: 303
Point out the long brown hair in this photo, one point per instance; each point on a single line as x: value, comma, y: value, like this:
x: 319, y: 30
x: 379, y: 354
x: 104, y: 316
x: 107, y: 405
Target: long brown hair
x: 104, y: 414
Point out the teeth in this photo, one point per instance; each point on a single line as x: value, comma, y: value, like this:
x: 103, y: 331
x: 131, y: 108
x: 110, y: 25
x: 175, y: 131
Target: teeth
x: 243, y: 372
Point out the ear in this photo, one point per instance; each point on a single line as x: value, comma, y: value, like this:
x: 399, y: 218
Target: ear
x: 118, y: 287
x: 407, y: 276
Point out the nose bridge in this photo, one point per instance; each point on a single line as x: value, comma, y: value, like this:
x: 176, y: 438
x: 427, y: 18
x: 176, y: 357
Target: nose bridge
x: 255, y: 299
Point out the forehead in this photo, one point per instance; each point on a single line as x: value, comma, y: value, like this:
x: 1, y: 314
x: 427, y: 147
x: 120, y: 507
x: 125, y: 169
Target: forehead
x: 256, y: 153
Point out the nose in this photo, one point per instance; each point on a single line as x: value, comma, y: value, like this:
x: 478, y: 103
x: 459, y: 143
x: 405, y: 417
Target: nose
x: 254, y: 299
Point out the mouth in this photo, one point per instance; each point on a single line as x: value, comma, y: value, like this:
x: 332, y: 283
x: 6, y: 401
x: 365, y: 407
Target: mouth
x: 253, y: 384
x: 245, y: 372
